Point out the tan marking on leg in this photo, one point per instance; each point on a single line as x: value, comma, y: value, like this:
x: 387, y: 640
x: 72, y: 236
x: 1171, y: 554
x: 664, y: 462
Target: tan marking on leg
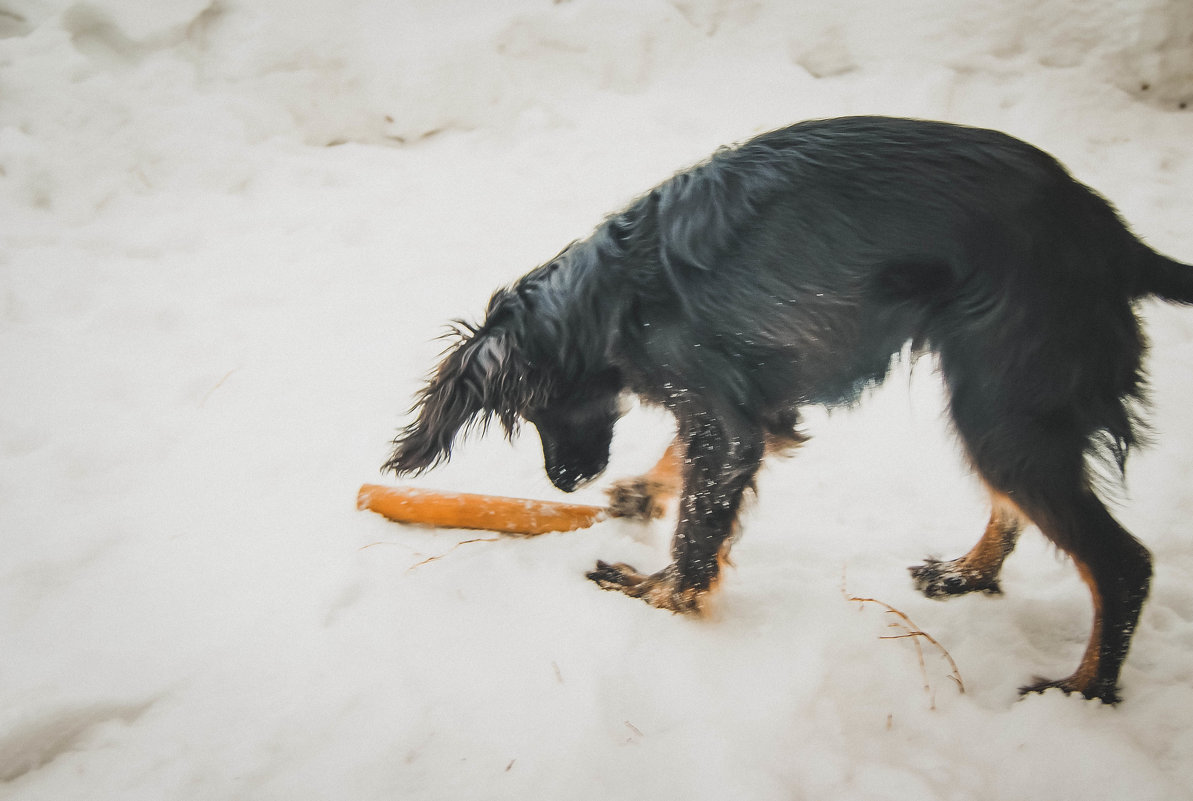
x: 985, y: 559
x: 667, y: 472
x: 662, y: 588
x: 1083, y: 678
x: 978, y: 570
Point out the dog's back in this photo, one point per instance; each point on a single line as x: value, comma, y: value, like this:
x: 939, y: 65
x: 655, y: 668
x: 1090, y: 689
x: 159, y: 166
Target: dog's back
x: 819, y: 250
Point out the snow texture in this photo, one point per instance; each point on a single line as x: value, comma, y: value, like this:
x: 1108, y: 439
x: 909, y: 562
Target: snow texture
x: 232, y: 231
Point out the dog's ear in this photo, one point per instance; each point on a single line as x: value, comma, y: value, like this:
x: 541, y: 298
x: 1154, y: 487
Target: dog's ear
x: 482, y: 376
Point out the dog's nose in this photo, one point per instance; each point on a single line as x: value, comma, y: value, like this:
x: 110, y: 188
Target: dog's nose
x: 564, y: 479
x: 570, y: 479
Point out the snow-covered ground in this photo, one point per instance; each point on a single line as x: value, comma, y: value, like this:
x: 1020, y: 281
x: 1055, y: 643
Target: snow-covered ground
x: 231, y: 232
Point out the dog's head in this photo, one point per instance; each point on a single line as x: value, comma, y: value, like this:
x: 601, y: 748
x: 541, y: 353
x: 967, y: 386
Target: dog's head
x: 576, y: 429
x: 510, y: 369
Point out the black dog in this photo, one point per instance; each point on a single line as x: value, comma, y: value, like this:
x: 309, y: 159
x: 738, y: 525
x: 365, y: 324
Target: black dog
x: 790, y: 270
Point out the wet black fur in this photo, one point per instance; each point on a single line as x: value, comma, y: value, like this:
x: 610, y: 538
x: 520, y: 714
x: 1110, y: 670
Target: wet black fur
x: 788, y: 271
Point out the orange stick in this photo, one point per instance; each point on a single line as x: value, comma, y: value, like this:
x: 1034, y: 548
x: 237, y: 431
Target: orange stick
x: 487, y: 512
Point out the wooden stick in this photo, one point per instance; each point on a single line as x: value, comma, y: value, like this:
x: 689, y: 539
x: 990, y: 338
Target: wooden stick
x: 524, y: 516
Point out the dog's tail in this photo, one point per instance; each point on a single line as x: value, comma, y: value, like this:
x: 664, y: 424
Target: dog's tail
x: 1165, y: 278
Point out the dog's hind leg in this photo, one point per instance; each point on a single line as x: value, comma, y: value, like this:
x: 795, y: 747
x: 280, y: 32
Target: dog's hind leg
x: 645, y: 497
x: 720, y: 459
x: 978, y: 570
x: 1039, y: 462
x: 1117, y: 569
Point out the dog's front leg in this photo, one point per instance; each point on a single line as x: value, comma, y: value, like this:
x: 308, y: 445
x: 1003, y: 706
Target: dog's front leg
x: 720, y: 461
x: 644, y: 497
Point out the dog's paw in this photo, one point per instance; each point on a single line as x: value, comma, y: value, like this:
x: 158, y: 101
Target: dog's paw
x: 615, y: 577
x: 941, y: 580
x: 1104, y: 691
x: 660, y: 589
x: 637, y: 498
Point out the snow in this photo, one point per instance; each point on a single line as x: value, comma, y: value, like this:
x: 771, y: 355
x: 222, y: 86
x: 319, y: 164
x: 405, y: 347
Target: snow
x: 232, y: 231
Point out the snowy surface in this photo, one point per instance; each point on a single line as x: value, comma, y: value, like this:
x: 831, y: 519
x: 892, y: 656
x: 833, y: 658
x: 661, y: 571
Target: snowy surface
x: 231, y: 232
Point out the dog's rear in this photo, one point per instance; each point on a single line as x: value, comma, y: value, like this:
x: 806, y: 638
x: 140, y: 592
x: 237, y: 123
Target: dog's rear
x: 789, y: 271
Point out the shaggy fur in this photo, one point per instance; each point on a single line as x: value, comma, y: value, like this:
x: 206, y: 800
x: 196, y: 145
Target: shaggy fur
x: 788, y: 271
